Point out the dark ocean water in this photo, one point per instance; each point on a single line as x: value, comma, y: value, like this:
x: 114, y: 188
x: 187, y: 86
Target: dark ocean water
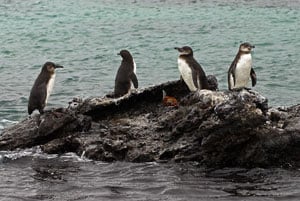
x: 34, y: 176
x: 85, y: 37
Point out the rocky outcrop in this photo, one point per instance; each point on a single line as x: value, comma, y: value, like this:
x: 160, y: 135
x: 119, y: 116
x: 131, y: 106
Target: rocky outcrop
x: 37, y: 130
x: 214, y: 128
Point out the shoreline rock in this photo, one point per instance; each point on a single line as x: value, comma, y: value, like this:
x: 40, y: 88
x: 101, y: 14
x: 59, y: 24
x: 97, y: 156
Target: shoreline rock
x: 214, y: 128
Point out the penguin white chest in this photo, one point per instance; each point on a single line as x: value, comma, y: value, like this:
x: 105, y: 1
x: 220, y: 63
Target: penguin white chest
x: 50, y: 87
x: 134, y: 70
x: 186, y: 74
x: 242, y: 71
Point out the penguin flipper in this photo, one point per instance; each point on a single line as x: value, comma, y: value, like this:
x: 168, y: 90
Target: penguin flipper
x: 231, y: 81
x: 231, y: 75
x: 42, y: 96
x: 199, y: 77
x: 253, y: 77
x: 37, y: 98
x: 134, y: 80
x: 195, y: 67
x: 196, y: 78
x: 202, y: 79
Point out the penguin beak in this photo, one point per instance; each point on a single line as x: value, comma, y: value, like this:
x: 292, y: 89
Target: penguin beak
x: 178, y: 48
x: 58, y: 66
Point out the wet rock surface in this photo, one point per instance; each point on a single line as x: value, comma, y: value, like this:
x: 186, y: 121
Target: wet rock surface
x: 39, y: 129
x: 214, y: 128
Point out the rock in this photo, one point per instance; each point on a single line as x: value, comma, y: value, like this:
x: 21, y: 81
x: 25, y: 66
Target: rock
x: 214, y: 128
x: 212, y: 82
x: 41, y: 129
x: 61, y: 145
x: 99, y: 108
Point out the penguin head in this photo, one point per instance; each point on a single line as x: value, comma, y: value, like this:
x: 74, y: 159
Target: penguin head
x: 125, y: 54
x: 50, y: 67
x: 246, y: 47
x: 185, y: 50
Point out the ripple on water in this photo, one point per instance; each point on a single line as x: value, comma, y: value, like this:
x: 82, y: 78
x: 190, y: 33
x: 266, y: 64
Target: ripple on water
x: 4, y: 123
x: 68, y: 177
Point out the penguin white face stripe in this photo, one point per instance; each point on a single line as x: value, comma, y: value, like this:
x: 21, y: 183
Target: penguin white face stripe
x: 184, y: 53
x: 245, y: 49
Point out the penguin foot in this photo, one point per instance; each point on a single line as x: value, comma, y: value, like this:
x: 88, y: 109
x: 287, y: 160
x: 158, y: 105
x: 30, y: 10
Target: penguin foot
x: 110, y: 95
x: 237, y: 89
x: 133, y: 91
x: 248, y: 89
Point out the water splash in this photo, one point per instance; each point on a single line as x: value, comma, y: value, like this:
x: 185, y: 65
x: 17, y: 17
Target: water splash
x: 4, y: 123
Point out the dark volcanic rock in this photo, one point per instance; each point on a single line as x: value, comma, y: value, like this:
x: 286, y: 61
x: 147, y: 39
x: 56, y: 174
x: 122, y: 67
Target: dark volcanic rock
x: 100, y: 108
x: 43, y: 128
x: 215, y: 128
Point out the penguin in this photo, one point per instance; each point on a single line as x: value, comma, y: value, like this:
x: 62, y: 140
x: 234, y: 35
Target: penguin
x: 42, y: 88
x: 126, y: 75
x: 191, y: 71
x: 241, y: 69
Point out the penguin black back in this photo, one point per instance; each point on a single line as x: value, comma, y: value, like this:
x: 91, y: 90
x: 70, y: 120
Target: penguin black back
x: 126, y: 75
x: 42, y: 88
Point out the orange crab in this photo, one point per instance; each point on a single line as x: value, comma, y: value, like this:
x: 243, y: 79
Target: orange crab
x: 169, y: 100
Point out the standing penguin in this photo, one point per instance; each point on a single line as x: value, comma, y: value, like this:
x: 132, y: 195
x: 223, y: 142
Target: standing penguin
x: 241, y: 69
x: 126, y: 75
x: 42, y: 88
x: 190, y: 70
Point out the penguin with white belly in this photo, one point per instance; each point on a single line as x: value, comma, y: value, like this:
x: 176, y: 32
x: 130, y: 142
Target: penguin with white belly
x: 42, y: 88
x: 241, y: 69
x: 191, y: 72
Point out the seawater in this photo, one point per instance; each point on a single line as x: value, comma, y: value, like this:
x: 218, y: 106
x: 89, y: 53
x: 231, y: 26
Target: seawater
x: 34, y: 176
x: 85, y: 37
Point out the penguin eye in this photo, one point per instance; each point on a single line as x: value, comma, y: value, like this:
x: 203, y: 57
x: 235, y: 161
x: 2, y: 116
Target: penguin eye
x: 50, y: 68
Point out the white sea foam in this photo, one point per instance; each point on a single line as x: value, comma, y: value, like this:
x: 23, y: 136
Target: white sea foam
x: 36, y: 152
x: 13, y: 155
x: 5, y: 123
